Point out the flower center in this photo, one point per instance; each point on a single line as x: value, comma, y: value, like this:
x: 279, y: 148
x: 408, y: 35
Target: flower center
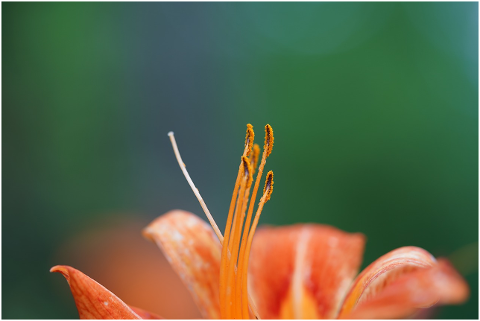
x: 235, y: 303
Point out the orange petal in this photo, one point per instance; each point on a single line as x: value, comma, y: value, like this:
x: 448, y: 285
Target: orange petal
x: 92, y: 299
x: 384, y: 271
x: 118, y: 255
x: 302, y: 271
x: 419, y: 289
x: 193, y: 250
x: 115, y: 252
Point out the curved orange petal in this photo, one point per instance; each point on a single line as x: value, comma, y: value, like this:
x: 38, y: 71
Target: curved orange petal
x: 118, y: 255
x: 384, y: 271
x: 193, y: 250
x: 93, y: 301
x: 419, y: 289
x: 302, y: 271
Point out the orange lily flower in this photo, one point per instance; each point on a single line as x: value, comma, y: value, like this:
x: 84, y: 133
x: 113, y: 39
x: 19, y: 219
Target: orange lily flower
x: 299, y: 271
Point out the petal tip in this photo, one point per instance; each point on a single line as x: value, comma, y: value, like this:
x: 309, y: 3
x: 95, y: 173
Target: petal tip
x: 148, y: 233
x: 458, y: 289
x: 60, y: 269
x: 152, y: 229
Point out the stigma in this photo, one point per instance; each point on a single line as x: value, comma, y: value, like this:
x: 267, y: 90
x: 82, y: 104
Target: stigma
x: 235, y: 302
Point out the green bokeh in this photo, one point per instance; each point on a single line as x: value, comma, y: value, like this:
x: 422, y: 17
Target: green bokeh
x: 374, y: 108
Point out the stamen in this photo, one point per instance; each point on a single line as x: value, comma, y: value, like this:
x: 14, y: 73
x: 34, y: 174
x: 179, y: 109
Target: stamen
x: 240, y: 275
x: 247, y: 180
x: 225, y: 258
x: 233, y: 307
x: 268, y: 189
x: 254, y: 157
x: 267, y: 192
x: 248, y: 171
x: 268, y: 139
x: 226, y: 253
x: 249, y: 140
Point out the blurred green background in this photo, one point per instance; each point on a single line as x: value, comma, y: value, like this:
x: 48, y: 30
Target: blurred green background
x: 374, y: 108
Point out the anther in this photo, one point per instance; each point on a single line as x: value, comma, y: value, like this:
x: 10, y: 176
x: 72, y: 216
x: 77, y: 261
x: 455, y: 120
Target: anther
x: 249, y: 140
x: 268, y: 189
x: 248, y: 172
x: 268, y: 139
